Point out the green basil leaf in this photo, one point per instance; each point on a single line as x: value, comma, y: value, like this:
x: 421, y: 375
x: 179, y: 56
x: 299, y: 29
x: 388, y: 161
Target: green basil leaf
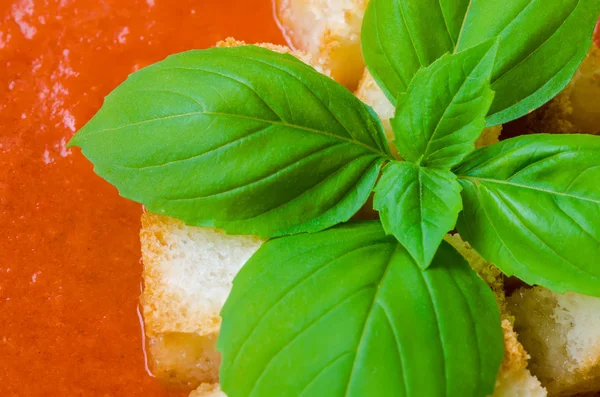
x: 347, y: 313
x: 244, y: 139
x: 443, y: 113
x: 531, y: 207
x: 418, y: 206
x: 542, y: 44
x: 401, y: 36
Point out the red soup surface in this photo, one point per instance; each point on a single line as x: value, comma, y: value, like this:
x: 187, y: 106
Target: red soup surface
x: 69, y: 247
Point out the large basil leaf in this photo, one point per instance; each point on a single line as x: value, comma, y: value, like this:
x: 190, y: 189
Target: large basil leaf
x: 443, y: 113
x: 418, y: 206
x: 244, y: 139
x: 531, y: 207
x: 347, y: 313
x: 542, y: 44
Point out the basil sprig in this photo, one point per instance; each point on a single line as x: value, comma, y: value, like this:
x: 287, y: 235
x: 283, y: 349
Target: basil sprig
x: 542, y: 44
x: 256, y: 142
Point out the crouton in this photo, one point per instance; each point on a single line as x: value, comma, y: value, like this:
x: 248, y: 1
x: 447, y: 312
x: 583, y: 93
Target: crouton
x: 575, y: 109
x: 329, y: 31
x: 187, y: 277
x: 561, y: 332
x: 369, y: 92
x: 514, y: 379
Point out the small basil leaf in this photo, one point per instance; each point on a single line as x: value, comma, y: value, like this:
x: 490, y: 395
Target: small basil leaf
x: 531, y: 207
x: 533, y: 64
x: 418, y: 206
x: 244, y: 139
x: 443, y: 113
x: 347, y: 313
x: 400, y: 37
x: 542, y: 45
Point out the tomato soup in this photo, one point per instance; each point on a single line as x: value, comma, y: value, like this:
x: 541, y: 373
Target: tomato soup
x: 69, y: 247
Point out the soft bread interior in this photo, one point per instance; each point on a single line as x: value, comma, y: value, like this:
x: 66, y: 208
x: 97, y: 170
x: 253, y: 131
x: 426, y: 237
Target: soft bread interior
x: 562, y: 334
x: 329, y: 31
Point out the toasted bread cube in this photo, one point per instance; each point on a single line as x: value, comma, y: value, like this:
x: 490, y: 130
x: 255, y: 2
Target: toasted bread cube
x: 576, y: 109
x: 514, y: 379
x: 369, y: 92
x: 187, y: 277
x: 561, y: 332
x: 329, y: 31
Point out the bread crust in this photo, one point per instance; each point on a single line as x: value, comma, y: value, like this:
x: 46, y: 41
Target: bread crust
x: 514, y: 378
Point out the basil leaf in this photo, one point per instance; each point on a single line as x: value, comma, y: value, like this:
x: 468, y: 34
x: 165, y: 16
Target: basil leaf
x: 244, y: 139
x: 542, y: 44
x: 418, y: 206
x: 401, y: 36
x: 346, y: 312
x: 531, y: 207
x: 443, y: 113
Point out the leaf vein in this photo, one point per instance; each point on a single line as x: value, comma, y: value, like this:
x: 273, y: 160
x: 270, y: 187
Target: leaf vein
x: 472, y: 322
x: 362, y: 336
x: 574, y: 221
x: 274, y: 175
x: 398, y: 345
x: 196, y: 156
x: 531, y: 53
x: 399, y: 4
x: 562, y: 194
x: 252, y: 89
x: 309, y: 326
x: 438, y: 327
x: 538, y: 238
x: 312, y: 188
x: 327, y: 366
x: 291, y: 289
